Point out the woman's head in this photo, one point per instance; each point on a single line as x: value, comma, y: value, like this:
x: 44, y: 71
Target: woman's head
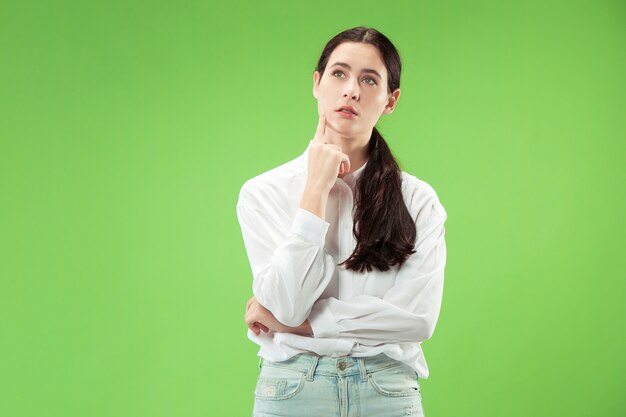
x: 360, y: 68
x: 383, y: 227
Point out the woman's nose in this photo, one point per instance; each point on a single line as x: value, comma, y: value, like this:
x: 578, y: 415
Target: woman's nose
x: 352, y: 90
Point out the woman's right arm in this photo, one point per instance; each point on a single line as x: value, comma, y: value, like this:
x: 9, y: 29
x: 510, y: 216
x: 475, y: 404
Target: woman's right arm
x: 290, y: 266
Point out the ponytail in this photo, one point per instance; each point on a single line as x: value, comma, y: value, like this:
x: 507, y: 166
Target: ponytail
x: 383, y: 227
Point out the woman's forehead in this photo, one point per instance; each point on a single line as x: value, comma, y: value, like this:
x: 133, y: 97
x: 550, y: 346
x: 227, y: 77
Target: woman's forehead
x: 358, y: 56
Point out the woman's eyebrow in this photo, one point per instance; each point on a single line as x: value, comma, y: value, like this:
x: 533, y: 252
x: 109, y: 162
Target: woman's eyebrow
x: 343, y: 64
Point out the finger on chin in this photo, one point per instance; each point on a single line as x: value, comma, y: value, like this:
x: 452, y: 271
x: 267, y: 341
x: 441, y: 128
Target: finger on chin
x: 321, y: 129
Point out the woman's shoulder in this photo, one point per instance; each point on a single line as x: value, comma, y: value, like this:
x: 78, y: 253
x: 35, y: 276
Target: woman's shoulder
x: 276, y: 183
x: 420, y: 196
x: 412, y: 184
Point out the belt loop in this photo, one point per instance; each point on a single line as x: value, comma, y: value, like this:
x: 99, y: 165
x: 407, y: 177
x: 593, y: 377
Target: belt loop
x: 314, y: 361
x: 362, y: 369
x: 260, y: 362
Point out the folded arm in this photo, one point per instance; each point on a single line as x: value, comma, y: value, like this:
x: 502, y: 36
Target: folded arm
x: 408, y: 312
x: 289, y: 264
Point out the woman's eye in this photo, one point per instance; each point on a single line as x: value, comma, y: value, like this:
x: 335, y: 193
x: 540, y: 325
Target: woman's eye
x: 368, y: 78
x: 373, y: 81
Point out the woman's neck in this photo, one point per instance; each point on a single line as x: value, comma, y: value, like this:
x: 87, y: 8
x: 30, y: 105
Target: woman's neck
x: 355, y: 147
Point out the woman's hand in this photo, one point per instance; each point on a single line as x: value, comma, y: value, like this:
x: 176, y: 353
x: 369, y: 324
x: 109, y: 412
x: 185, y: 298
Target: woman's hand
x: 325, y: 160
x: 260, y: 318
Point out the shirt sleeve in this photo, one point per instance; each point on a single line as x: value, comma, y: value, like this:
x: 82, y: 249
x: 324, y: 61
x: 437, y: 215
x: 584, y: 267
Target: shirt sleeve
x: 408, y: 312
x: 290, y: 265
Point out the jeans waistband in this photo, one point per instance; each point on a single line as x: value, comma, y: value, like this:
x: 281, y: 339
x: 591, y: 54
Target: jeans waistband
x: 313, y: 364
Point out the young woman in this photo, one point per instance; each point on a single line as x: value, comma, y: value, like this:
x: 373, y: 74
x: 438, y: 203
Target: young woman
x: 347, y: 253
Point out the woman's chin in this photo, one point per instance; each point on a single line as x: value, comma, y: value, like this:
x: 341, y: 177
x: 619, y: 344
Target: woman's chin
x: 342, y: 126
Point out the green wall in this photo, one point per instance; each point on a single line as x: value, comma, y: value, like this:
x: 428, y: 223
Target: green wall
x: 127, y: 129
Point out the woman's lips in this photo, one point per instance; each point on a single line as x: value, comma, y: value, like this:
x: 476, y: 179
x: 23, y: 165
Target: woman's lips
x: 346, y: 114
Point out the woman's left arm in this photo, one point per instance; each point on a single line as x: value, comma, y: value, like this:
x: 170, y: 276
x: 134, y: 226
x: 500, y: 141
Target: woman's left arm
x: 409, y: 311
x: 258, y: 318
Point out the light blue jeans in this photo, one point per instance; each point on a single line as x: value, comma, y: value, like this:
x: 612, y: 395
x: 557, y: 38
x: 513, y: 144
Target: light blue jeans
x: 323, y: 386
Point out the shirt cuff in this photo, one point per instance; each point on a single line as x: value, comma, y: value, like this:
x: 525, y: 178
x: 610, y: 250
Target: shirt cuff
x: 310, y: 226
x: 322, y: 320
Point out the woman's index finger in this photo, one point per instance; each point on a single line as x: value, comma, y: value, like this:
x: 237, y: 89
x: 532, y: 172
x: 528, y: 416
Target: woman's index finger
x: 321, y: 129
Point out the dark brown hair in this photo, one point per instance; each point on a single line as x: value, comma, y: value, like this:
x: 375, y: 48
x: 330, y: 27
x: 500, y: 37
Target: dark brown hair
x: 383, y: 227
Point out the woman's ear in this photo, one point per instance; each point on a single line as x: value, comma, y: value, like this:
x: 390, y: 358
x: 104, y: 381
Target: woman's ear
x: 316, y: 76
x: 392, y: 101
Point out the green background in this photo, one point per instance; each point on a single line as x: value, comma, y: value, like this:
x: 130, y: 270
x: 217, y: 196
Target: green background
x: 128, y: 128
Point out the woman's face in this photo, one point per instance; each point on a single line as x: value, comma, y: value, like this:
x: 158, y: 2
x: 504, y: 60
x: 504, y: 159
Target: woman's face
x: 363, y: 86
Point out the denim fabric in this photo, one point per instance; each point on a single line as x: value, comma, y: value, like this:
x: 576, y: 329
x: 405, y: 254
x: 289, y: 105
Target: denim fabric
x: 323, y: 386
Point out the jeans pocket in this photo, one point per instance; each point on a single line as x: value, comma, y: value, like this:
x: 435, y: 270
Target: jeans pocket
x: 396, y: 381
x: 278, y: 383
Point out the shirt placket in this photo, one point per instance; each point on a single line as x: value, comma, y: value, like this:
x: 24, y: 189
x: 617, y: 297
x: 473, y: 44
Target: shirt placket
x: 345, y: 239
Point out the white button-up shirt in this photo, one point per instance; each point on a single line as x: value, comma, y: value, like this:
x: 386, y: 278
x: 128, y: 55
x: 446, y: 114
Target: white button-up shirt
x: 294, y: 254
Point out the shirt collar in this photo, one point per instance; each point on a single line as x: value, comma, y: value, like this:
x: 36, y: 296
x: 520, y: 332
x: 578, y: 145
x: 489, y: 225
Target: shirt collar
x: 350, y: 179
